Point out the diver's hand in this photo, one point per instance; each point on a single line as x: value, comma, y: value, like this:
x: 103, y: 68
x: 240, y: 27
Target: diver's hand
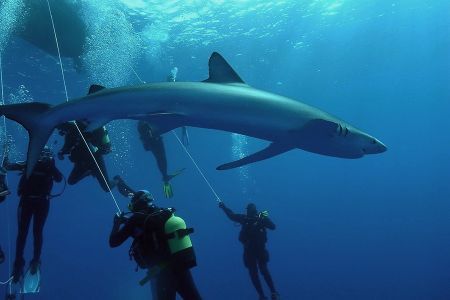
x: 221, y: 204
x: 60, y: 155
x: 119, y: 218
x: 264, y: 214
x: 168, y: 192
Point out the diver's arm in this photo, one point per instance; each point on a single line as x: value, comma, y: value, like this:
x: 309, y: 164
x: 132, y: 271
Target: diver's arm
x: 57, y: 175
x: 119, y: 235
x: 268, y: 223
x: 18, y: 166
x: 70, y: 139
x: 231, y: 215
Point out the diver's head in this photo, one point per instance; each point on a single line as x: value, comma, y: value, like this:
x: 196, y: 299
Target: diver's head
x: 46, y: 154
x: 141, y: 200
x: 251, y: 210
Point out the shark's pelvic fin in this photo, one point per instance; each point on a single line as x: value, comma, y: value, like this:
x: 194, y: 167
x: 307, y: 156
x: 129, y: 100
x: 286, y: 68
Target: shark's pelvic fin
x: 95, y: 88
x: 29, y: 115
x: 272, y: 150
x: 220, y: 71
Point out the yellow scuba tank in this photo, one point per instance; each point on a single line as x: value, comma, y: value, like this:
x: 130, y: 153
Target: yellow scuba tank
x: 177, y: 234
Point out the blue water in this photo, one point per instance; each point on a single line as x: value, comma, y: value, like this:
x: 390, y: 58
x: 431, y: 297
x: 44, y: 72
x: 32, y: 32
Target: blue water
x: 372, y: 228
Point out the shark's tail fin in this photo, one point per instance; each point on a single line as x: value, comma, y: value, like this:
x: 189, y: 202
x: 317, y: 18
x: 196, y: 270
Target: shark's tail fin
x: 29, y: 115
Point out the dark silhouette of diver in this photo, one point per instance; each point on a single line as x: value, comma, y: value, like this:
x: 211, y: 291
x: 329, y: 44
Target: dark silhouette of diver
x: 253, y: 236
x: 4, y: 191
x: 161, y: 244
x: 34, y: 203
x: 153, y: 141
x: 83, y: 164
x: 99, y: 144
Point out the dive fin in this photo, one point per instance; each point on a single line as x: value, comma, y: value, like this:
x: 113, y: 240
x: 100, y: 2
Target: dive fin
x: 31, y: 282
x: 29, y: 115
x: 220, y: 71
x: 95, y: 88
x: 272, y: 150
x: 173, y: 175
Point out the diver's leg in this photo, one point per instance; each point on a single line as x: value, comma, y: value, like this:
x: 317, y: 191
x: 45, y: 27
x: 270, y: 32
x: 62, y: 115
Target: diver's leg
x: 40, y: 216
x: 97, y: 171
x: 24, y: 214
x: 79, y: 171
x: 159, y: 152
x: 163, y: 287
x: 186, y: 286
x: 124, y: 189
x: 263, y: 259
x: 250, y: 263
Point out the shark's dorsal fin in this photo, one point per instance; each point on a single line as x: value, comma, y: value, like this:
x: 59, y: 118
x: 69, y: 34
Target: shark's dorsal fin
x: 220, y: 71
x: 95, y: 88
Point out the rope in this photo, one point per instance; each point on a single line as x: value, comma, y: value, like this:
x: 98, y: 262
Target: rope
x: 67, y: 100
x: 7, y: 281
x: 187, y: 152
x: 198, y: 168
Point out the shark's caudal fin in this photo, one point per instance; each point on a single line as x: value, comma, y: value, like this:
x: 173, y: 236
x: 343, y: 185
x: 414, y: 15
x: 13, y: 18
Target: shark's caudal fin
x: 272, y: 150
x: 29, y: 115
x: 220, y: 71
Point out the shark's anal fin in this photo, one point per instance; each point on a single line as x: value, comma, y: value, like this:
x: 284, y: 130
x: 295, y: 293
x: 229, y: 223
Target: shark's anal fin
x: 29, y: 115
x: 272, y: 150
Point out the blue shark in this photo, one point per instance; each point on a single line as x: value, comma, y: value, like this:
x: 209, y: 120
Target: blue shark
x: 222, y: 102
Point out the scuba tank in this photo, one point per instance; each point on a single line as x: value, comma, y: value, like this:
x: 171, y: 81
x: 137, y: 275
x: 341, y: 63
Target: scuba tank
x: 177, y: 234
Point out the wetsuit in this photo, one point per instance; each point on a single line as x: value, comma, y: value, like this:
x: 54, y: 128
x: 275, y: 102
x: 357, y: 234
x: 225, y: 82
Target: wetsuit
x: 34, y: 203
x: 173, y: 275
x: 155, y: 144
x: 83, y: 164
x: 254, y: 237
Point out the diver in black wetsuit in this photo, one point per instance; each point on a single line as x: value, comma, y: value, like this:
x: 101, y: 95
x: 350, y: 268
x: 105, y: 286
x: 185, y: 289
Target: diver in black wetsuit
x: 83, y: 164
x: 34, y: 203
x: 99, y: 144
x: 4, y: 191
x: 254, y: 237
x: 153, y: 141
x: 161, y: 245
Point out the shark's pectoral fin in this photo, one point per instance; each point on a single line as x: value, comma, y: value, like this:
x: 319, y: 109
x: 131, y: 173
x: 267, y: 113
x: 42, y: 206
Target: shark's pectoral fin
x: 271, y: 151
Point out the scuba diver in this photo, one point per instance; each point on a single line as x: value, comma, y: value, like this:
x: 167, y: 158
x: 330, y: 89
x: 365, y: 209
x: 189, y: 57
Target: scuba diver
x: 253, y: 236
x: 34, y: 193
x: 153, y: 141
x: 4, y: 191
x: 83, y: 164
x: 161, y: 245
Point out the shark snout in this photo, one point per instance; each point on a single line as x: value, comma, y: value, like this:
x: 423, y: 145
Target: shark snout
x: 375, y: 147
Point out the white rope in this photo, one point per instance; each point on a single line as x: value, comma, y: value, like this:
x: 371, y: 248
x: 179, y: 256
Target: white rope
x: 67, y: 100
x: 196, y: 165
x: 7, y: 281
x: 187, y: 152
x: 6, y: 177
